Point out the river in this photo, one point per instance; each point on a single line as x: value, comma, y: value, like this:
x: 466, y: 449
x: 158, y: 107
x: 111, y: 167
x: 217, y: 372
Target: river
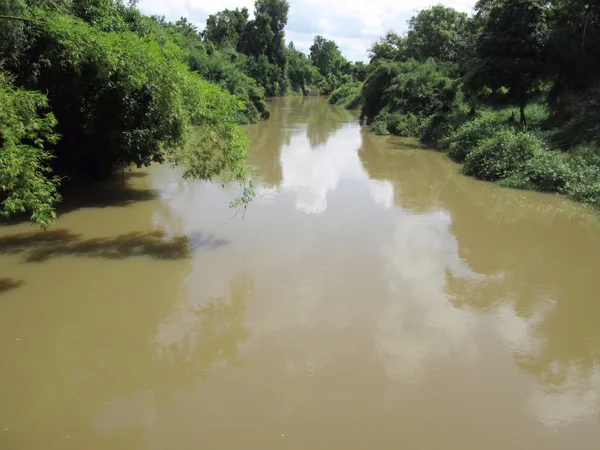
x: 370, y: 297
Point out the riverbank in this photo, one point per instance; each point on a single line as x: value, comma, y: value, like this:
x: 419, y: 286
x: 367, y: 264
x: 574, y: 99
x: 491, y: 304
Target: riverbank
x: 493, y: 146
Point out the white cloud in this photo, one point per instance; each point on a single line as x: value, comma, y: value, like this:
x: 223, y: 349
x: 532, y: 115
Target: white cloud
x: 353, y: 26
x: 312, y: 173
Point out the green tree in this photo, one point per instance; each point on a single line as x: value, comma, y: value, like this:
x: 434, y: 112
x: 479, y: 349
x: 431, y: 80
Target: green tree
x: 225, y: 67
x: 359, y: 71
x: 303, y: 75
x: 376, y: 85
x: 422, y: 89
x: 225, y: 27
x: 13, y: 38
x: 574, y: 57
x: 438, y: 32
x: 326, y: 57
x: 131, y: 100
x: 391, y: 46
x: 278, y: 11
x: 254, y: 42
x: 396, y: 89
x: 257, y: 36
x: 26, y: 129
x: 509, y: 52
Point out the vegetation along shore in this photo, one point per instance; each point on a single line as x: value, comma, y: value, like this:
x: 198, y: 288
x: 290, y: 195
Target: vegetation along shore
x: 88, y: 87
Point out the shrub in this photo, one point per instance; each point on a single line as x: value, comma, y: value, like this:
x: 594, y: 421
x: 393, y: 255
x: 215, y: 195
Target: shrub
x: 517, y: 181
x: 437, y: 127
x: 584, y: 180
x: 405, y: 124
x: 379, y: 126
x: 347, y: 96
x: 548, y: 171
x: 423, y: 89
x: 465, y: 139
x: 501, y: 155
x: 352, y: 101
x: 396, y: 123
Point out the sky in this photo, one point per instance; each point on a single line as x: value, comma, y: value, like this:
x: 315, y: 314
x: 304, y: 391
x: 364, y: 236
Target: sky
x: 353, y: 24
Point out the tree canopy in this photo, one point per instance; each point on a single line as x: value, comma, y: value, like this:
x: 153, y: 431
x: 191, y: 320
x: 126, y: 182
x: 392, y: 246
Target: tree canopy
x: 91, y: 86
x: 510, y: 50
x: 328, y: 59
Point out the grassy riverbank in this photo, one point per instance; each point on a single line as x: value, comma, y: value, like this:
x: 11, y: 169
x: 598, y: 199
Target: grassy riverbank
x: 493, y: 146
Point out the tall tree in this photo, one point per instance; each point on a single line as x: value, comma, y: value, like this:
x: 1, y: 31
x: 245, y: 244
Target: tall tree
x: 323, y: 53
x: 225, y: 27
x: 390, y: 46
x: 438, y: 32
x: 278, y: 11
x: 509, y: 51
x: 256, y: 36
x: 301, y: 71
x: 574, y: 49
x: 326, y: 56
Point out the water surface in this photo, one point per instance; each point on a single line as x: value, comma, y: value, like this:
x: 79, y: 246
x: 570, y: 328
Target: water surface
x: 371, y: 297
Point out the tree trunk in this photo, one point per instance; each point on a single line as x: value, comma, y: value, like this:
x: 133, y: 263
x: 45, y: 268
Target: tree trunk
x: 522, y: 120
x: 587, y: 14
x: 472, y: 111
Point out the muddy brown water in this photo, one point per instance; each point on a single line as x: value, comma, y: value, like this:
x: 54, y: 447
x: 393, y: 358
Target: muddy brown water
x: 370, y: 298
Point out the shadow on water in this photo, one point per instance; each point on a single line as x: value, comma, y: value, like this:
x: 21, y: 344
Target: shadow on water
x: 112, y: 193
x: 42, y: 246
x: 115, y: 192
x: 135, y: 174
x: 7, y: 284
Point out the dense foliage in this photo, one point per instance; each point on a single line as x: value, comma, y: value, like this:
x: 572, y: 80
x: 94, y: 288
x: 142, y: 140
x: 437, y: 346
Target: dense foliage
x: 498, y: 91
x: 91, y: 86
x: 27, y: 127
x: 121, y: 88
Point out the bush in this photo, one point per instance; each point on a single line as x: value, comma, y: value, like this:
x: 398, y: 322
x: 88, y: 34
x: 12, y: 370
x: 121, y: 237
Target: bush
x: 379, y: 126
x: 465, y: 139
x: 437, y: 127
x: 396, y: 123
x: 584, y: 180
x: 405, y: 125
x: 347, y: 96
x: 423, y: 89
x: 352, y: 101
x: 517, y: 181
x: 548, y: 171
x: 501, y: 155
